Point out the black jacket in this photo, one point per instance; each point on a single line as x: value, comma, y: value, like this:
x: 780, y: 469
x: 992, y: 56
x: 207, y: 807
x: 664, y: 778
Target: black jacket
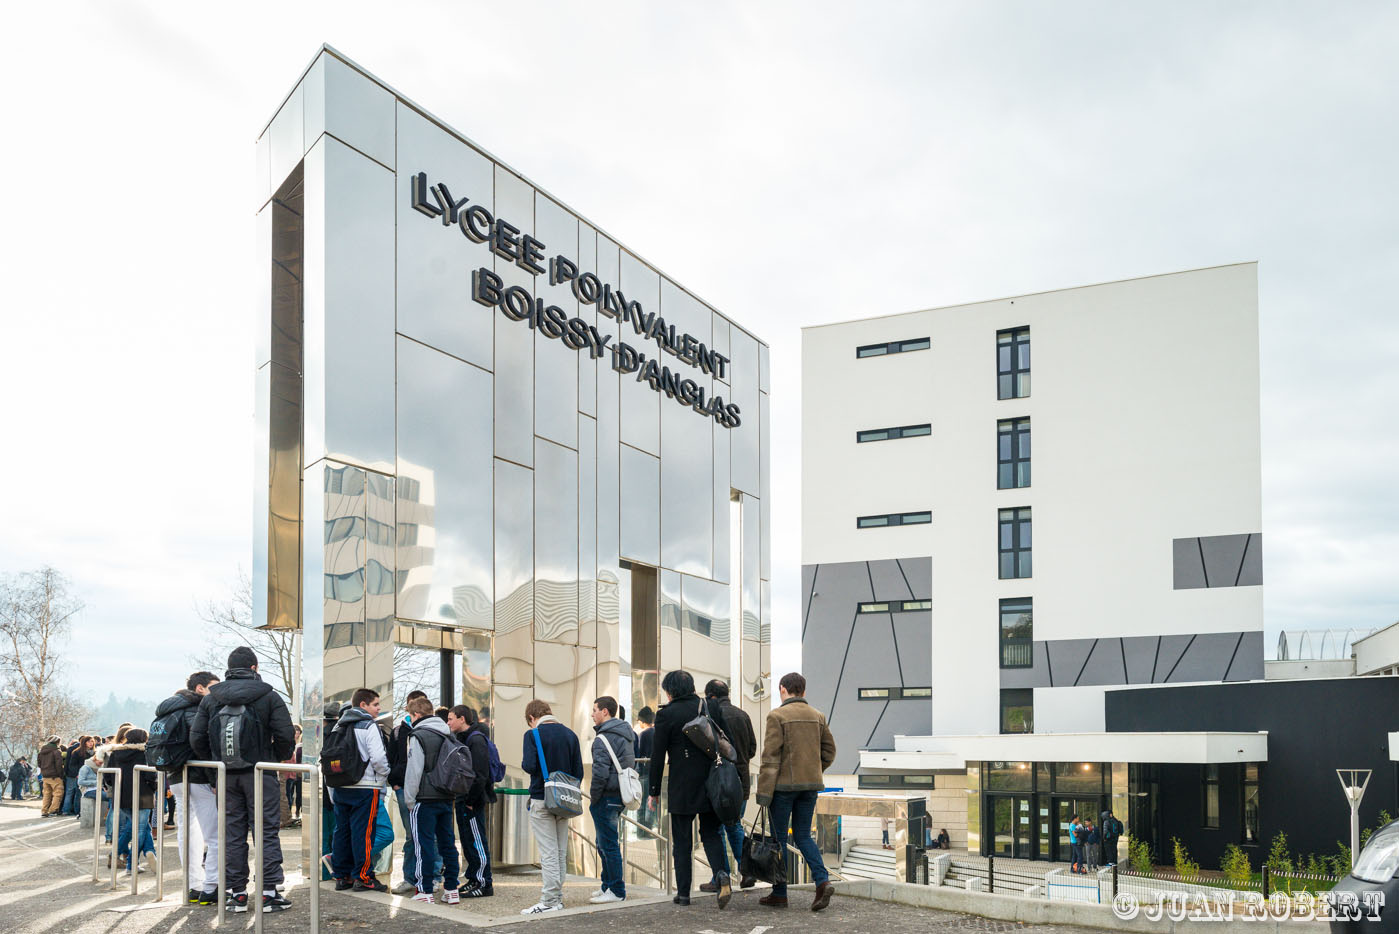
x: 243, y: 686
x: 187, y: 702
x: 688, y: 766
x: 76, y: 757
x: 740, y: 732
x: 397, y: 751
x: 482, y: 790
x: 126, y: 757
x: 561, y: 754
x: 17, y: 773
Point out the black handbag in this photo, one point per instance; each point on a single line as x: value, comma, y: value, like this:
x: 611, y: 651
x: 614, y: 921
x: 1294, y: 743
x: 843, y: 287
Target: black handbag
x: 707, y: 737
x: 724, y: 791
x: 762, y: 856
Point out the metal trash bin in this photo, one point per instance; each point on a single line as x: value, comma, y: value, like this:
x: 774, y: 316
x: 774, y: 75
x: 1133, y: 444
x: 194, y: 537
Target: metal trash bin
x: 512, y: 841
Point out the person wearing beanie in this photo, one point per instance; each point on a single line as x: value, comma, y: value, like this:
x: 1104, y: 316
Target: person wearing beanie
x: 242, y: 721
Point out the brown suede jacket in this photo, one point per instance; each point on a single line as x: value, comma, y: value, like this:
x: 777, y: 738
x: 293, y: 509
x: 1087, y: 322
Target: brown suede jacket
x: 797, y: 750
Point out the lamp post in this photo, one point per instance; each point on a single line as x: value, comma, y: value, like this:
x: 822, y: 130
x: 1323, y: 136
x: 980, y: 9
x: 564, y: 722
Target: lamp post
x: 1353, y: 782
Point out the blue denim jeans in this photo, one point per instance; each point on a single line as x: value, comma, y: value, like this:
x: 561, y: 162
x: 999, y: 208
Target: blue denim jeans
x: 144, y: 842
x: 797, y: 808
x: 70, y: 796
x: 734, y: 833
x: 609, y: 846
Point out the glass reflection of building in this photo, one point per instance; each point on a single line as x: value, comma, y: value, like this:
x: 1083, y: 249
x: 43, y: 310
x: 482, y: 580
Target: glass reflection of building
x: 445, y: 498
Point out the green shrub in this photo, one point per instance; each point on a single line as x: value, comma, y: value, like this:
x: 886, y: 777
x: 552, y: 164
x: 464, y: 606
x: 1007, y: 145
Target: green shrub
x: 1186, y: 867
x: 1237, y: 868
x: 1278, y: 858
x: 1340, y: 863
x: 1314, y: 865
x: 1139, y: 856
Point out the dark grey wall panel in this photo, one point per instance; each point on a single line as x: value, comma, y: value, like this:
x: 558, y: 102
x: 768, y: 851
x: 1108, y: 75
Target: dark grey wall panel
x: 1217, y: 561
x: 1224, y: 656
x: 1189, y: 572
x: 1104, y: 664
x: 1066, y: 659
x: 843, y: 651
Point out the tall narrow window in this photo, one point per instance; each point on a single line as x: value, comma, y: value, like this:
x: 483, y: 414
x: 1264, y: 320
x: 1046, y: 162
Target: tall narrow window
x: 1015, y: 543
x: 1017, y: 710
x: 1013, y: 363
x: 1012, y: 453
x: 1250, y: 808
x: 1017, y: 634
x: 1209, y: 797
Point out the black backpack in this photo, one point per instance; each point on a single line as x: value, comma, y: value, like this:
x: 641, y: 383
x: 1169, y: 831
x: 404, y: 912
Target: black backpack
x: 237, y: 736
x: 341, y: 763
x: 447, y: 770
x: 168, y: 747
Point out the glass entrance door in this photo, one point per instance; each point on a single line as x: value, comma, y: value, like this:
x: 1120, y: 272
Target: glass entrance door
x: 1064, y: 810
x: 1012, y: 826
x: 1024, y: 829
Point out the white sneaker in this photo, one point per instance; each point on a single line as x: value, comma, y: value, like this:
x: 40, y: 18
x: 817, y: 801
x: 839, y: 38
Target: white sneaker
x: 404, y: 888
x: 450, y: 897
x: 425, y: 897
x: 540, y: 908
x: 605, y: 898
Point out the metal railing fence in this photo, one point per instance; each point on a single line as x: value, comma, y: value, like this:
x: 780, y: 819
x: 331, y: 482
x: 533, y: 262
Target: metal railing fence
x: 158, y: 801
x: 313, y: 871
x: 98, y: 824
x: 221, y: 791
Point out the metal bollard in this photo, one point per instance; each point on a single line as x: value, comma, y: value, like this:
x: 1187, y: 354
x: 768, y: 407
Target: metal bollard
x: 313, y: 871
x: 159, y: 803
x: 98, y: 824
x: 223, y: 817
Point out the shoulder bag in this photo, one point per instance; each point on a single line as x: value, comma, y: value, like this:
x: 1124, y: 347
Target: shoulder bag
x: 563, y: 794
x: 628, y: 782
x: 762, y: 855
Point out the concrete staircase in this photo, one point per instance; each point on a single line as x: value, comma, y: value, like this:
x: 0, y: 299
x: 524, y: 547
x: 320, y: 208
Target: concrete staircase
x: 869, y: 862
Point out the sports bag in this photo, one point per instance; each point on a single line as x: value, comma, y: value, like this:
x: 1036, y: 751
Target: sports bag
x: 237, y: 737
x: 762, y: 855
x: 167, y: 747
x: 628, y: 782
x: 450, y: 773
x: 563, y: 794
x: 341, y: 763
x: 707, y: 737
x: 724, y: 791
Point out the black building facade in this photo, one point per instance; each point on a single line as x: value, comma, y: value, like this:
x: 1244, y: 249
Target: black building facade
x: 1314, y: 727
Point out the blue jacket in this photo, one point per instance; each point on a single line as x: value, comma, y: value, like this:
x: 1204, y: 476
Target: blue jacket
x: 561, y: 754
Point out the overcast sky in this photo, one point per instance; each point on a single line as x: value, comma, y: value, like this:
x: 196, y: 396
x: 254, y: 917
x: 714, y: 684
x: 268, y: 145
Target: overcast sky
x: 792, y: 163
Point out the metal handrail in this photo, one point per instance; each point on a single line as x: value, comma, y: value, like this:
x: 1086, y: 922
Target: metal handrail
x: 222, y: 893
x: 313, y: 872
x: 115, y: 811
x: 664, y: 879
x: 157, y: 802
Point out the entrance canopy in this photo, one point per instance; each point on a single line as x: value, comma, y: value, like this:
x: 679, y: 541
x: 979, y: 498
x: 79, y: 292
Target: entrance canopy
x: 931, y: 753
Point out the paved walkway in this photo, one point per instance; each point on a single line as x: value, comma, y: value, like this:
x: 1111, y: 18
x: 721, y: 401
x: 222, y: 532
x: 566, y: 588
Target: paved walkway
x: 46, y: 887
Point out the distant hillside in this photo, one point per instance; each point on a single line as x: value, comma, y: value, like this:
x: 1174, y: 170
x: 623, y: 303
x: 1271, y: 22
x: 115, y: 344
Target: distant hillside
x: 112, y: 713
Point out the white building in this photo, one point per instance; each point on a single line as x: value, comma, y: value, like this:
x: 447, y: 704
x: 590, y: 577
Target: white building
x: 1013, y: 505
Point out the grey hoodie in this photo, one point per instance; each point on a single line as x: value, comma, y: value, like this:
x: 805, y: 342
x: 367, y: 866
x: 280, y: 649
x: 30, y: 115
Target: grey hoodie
x: 413, y: 775
x: 619, y: 735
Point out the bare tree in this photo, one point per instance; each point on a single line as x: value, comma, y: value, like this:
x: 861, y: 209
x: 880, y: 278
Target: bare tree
x: 230, y: 624
x: 36, y: 616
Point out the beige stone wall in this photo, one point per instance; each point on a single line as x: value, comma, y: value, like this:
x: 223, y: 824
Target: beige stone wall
x: 947, y: 807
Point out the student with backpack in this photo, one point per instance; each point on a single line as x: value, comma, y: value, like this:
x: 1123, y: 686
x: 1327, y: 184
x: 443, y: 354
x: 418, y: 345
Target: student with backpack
x: 355, y: 766
x: 615, y: 786
x: 438, y: 770
x: 550, y: 749
x: 473, y: 807
x: 398, y: 763
x: 241, y: 722
x: 168, y: 749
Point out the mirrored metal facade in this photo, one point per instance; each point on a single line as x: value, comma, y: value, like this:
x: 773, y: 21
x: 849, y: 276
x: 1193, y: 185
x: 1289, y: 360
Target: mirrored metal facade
x: 489, y: 502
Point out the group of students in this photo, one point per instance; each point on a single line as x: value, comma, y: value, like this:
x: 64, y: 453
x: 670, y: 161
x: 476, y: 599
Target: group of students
x: 441, y: 766
x: 1092, y: 845
x: 59, y: 765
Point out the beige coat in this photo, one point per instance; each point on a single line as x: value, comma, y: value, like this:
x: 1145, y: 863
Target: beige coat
x: 797, y: 750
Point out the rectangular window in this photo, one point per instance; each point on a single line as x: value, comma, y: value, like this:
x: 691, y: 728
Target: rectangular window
x: 1209, y: 797
x: 1015, y: 543
x: 878, y: 694
x: 1013, y: 363
x: 881, y: 350
x: 1250, y: 808
x: 1017, y: 710
x: 1012, y: 453
x: 894, y: 518
x: 893, y: 434
x: 1017, y: 633
x: 894, y: 606
x: 923, y: 782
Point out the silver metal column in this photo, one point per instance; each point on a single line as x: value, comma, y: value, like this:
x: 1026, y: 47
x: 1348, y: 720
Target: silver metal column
x: 223, y: 817
x: 158, y: 804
